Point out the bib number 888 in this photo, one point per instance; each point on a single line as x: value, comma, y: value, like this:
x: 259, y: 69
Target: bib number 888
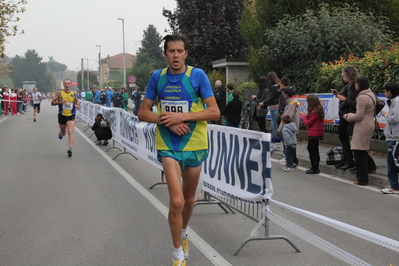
x: 174, y: 109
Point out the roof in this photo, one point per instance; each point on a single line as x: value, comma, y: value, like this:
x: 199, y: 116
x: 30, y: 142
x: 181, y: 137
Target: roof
x: 116, y: 61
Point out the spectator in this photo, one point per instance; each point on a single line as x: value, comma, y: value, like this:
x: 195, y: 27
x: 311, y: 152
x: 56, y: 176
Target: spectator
x: 290, y: 109
x: 14, y: 104
x: 314, y: 122
x: 97, y: 96
x: 117, y: 98
x: 233, y: 110
x: 230, y: 90
x: 363, y: 129
x: 109, y: 95
x: 272, y: 102
x: 102, y: 130
x: 261, y: 111
x: 103, y: 98
x: 289, y: 130
x: 220, y: 96
x: 391, y: 132
x: 6, y: 99
x: 347, y: 104
x: 125, y: 97
x: 136, y: 98
x: 88, y: 96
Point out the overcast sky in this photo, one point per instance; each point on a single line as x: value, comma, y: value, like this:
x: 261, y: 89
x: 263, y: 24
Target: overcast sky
x: 70, y: 30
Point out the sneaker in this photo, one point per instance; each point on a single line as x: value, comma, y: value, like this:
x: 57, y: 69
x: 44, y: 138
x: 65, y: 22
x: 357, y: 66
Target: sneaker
x: 99, y: 143
x: 184, y: 243
x: 34, y: 119
x: 390, y: 191
x: 274, y: 148
x: 288, y: 169
x: 69, y: 151
x: 179, y: 262
x: 60, y: 136
x: 282, y: 161
x: 105, y: 143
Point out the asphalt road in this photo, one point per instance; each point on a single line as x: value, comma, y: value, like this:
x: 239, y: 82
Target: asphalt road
x: 92, y: 210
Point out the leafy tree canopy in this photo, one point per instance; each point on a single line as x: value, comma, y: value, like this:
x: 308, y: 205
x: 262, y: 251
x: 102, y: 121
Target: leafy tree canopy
x: 274, y: 10
x: 211, y: 27
x: 31, y: 68
x: 8, y: 24
x: 324, y: 35
x: 151, y: 46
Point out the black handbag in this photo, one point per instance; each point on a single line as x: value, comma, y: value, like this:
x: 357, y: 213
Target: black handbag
x: 349, y: 129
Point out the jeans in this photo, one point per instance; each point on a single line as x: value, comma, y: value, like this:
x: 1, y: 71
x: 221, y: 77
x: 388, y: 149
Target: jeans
x: 290, y: 154
x: 274, y: 115
x: 20, y: 108
x: 393, y: 170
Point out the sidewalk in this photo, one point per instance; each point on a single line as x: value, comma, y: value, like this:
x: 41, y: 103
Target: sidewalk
x: 378, y: 179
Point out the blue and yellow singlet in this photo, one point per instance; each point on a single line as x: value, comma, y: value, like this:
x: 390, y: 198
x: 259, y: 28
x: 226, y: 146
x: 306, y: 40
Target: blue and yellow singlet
x: 180, y: 93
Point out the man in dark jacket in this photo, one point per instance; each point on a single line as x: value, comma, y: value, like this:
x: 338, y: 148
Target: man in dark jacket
x: 220, y: 96
x: 233, y: 110
x: 101, y: 130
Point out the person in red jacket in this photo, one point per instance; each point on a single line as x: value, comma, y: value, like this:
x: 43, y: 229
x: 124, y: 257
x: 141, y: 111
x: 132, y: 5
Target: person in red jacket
x: 6, y: 98
x: 14, y: 103
x: 314, y: 122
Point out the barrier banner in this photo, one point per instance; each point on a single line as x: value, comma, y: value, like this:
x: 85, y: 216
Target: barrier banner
x: 331, y: 106
x: 238, y: 165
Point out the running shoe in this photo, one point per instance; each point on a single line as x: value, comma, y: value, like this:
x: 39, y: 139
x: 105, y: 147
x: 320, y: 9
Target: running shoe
x: 179, y: 262
x: 60, y: 136
x: 34, y: 119
x: 98, y: 143
x: 390, y: 191
x: 288, y: 169
x: 184, y: 243
x: 69, y: 151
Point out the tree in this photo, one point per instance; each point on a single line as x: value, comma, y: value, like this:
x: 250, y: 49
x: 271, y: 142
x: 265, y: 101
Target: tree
x: 92, y: 79
x: 149, y: 57
x: 56, y: 68
x: 31, y: 68
x: 8, y: 15
x: 324, y: 35
x: 151, y: 46
x: 211, y: 27
x: 275, y: 10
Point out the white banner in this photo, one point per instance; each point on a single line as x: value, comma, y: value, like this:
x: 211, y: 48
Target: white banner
x: 238, y: 165
x: 331, y: 105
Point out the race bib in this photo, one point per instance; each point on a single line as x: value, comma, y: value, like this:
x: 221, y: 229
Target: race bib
x: 67, y: 106
x: 174, y: 106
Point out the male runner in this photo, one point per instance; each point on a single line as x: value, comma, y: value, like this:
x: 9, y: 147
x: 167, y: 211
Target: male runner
x: 67, y: 102
x: 36, y: 98
x: 181, y: 133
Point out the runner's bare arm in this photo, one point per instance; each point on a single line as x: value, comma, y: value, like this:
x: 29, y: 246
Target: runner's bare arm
x: 145, y: 112
x: 55, y: 101
x: 211, y: 113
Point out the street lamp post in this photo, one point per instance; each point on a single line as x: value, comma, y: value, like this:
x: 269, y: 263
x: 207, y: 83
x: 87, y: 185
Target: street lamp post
x: 124, y: 56
x: 88, y: 75
x: 100, y: 67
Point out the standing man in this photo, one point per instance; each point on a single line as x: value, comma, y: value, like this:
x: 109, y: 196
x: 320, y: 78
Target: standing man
x: 136, y: 97
x: 181, y: 133
x: 220, y: 96
x: 67, y: 102
x: 36, y: 99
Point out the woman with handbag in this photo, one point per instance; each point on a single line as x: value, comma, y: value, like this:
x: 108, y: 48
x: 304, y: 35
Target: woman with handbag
x: 363, y: 129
